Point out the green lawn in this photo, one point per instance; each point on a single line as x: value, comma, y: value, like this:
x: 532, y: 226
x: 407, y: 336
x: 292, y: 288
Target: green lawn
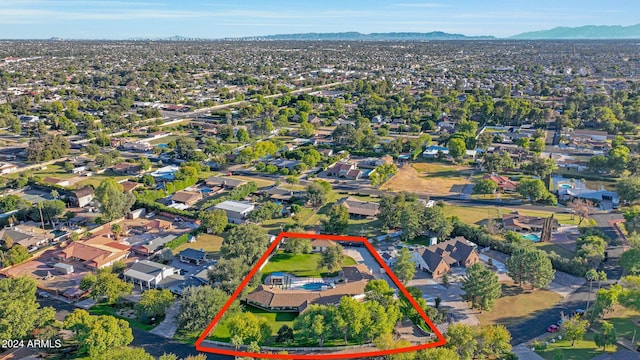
x: 104, y: 309
x: 548, y: 247
x: 625, y: 321
x: 475, y: 214
x: 581, y: 350
x: 186, y: 337
x: 302, y: 265
x: 208, y: 242
x: 517, y: 304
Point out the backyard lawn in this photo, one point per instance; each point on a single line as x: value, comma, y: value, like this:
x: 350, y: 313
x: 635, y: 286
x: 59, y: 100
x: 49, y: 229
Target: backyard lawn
x: 302, y: 265
x: 581, y: 350
x: 517, y: 304
x: 208, y: 242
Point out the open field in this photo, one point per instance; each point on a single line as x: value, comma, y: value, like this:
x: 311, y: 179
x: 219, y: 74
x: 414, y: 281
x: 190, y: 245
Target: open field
x: 302, y: 265
x: 476, y: 214
x: 208, y: 242
x: 429, y: 178
x: 581, y: 350
x: 517, y: 304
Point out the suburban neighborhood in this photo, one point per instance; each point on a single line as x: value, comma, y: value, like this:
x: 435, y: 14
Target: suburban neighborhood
x: 494, y: 193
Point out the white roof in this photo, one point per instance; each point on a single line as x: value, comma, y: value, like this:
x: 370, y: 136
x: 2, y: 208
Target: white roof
x: 235, y: 206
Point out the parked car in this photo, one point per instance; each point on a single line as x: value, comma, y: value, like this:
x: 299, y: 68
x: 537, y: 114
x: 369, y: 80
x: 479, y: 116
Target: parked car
x: 579, y: 312
x: 552, y: 328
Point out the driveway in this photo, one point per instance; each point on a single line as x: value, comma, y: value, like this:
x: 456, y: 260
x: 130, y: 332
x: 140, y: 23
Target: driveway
x: 458, y: 309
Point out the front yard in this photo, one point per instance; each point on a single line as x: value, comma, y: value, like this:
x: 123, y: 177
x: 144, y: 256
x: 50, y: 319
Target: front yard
x: 517, y: 304
x: 581, y: 350
x: 126, y: 312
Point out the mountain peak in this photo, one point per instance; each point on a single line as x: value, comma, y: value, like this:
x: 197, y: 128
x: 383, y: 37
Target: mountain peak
x: 587, y: 32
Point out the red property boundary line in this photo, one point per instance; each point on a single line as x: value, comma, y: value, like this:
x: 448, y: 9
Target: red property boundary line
x: 441, y: 341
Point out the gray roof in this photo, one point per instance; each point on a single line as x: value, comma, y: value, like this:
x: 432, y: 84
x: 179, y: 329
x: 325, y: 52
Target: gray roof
x: 158, y: 242
x: 452, y: 251
x: 193, y: 254
x: 139, y: 275
x: 148, y: 267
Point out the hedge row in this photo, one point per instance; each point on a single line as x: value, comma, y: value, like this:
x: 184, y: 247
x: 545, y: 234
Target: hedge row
x: 182, y: 239
x: 157, y: 207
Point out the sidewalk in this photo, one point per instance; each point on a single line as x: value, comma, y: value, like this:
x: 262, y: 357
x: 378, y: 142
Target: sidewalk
x: 524, y: 353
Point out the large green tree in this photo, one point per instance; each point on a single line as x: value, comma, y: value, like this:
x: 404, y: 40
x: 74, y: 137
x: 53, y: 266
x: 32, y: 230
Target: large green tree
x: 332, y: 258
x: 105, y: 284
x: 481, y: 287
x: 338, y: 220
x: 574, y: 329
x: 530, y: 265
x: 214, y: 221
x: 98, y: 334
x: 535, y: 190
x: 20, y: 313
x: 200, y: 304
x: 606, y: 336
x: 247, y: 242
x: 628, y: 189
x: 154, y: 303
x: 404, y: 267
x: 457, y: 148
x: 113, y: 200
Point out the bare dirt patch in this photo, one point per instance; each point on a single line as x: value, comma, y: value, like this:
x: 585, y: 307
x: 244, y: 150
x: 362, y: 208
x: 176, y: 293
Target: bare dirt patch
x: 428, y: 178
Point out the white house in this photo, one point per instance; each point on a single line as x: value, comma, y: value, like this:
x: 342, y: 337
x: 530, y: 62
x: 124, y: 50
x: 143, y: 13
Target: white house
x: 149, y: 274
x: 237, y: 211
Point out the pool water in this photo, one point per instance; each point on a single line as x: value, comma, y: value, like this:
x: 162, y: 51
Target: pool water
x: 532, y: 237
x: 313, y: 286
x: 565, y: 186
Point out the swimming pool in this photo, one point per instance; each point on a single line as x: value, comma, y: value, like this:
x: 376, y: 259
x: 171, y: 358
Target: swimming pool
x: 532, y: 237
x: 314, y: 286
x: 565, y: 186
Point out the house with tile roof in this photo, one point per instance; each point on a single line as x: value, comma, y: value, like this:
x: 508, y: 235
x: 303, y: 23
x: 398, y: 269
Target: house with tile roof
x: 438, y: 259
x: 344, y: 170
x: 503, y: 182
x: 280, y: 299
x: 94, y: 253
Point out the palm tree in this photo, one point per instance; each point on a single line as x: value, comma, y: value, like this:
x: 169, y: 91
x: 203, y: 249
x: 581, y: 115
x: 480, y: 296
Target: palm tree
x: 116, y: 229
x: 54, y: 194
x: 591, y: 275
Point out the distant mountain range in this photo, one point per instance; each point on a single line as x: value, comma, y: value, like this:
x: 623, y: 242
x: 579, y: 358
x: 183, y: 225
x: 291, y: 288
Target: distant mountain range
x: 587, y: 32
x: 356, y: 36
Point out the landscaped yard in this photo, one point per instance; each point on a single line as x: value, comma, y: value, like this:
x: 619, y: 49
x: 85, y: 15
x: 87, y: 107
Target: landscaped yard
x: 302, y: 265
x: 208, y: 242
x: 625, y: 321
x: 429, y: 178
x: 517, y: 304
x: 548, y: 247
x: 104, y: 309
x: 581, y: 350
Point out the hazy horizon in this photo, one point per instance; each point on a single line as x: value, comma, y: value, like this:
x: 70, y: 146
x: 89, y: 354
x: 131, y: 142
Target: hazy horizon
x: 105, y: 19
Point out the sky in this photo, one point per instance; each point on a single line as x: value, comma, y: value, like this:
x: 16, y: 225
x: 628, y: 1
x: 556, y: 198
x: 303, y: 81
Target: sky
x: 126, y: 19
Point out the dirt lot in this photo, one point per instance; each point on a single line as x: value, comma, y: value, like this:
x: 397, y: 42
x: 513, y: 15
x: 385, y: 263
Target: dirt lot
x: 429, y: 178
